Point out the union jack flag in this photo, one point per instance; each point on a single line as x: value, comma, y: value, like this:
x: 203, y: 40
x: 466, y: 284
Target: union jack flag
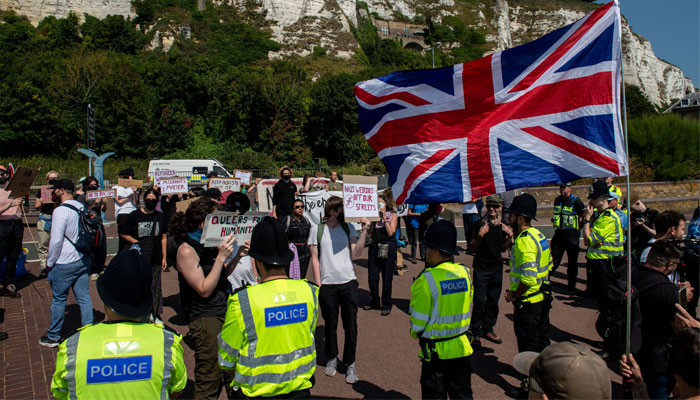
x: 543, y: 112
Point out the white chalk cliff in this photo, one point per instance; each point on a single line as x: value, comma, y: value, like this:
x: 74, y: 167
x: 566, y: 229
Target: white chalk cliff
x: 303, y: 25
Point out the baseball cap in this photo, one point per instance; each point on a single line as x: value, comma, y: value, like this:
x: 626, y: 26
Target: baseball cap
x: 566, y: 371
x: 565, y: 184
x: 494, y: 198
x: 63, y: 183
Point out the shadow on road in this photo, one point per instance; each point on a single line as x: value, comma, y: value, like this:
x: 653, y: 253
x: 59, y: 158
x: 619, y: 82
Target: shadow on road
x: 491, y: 370
x: 372, y: 391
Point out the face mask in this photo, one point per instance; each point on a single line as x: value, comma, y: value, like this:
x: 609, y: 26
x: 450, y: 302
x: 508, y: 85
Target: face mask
x: 54, y: 197
x: 150, y: 204
x: 286, y: 177
x: 381, y: 205
x: 92, y: 187
x: 3, y: 180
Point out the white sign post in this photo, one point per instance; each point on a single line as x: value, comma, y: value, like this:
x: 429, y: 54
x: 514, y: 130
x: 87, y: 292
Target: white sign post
x: 173, y: 185
x: 360, y: 198
x: 225, y: 184
x: 220, y: 224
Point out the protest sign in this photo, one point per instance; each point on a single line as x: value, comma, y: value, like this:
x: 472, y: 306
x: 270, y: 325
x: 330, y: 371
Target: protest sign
x: 315, y: 204
x: 132, y: 183
x: 360, y: 198
x: 46, y: 194
x: 220, y: 224
x: 244, y: 176
x: 183, y: 205
x: 100, y: 194
x: 22, y: 181
x: 159, y: 174
x: 175, y: 185
x: 265, y: 187
x: 225, y: 184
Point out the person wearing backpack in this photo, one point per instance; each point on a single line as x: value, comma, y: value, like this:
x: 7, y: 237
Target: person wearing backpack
x: 68, y: 267
x: 333, y: 244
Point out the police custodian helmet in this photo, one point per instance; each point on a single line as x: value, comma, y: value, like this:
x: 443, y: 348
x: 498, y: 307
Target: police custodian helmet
x: 441, y: 235
x: 269, y: 244
x: 524, y: 205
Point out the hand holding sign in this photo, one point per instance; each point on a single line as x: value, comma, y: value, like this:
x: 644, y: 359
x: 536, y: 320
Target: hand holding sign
x: 226, y: 248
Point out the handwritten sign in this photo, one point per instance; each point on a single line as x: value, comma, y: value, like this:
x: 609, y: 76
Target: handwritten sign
x: 225, y: 184
x: 173, y: 185
x: 22, y: 181
x: 100, y: 194
x: 244, y: 176
x: 315, y: 204
x: 220, y: 224
x: 159, y: 174
x: 46, y: 194
x: 360, y: 198
x: 132, y: 183
x: 265, y: 187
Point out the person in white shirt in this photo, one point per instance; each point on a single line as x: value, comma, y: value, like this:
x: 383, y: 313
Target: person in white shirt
x: 331, y: 263
x: 124, y: 204
x: 68, y: 268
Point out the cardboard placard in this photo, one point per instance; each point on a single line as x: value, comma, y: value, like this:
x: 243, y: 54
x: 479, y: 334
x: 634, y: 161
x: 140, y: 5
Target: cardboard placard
x: 220, y: 224
x: 225, y: 184
x: 132, y: 183
x: 22, y: 181
x: 360, y: 198
x: 315, y: 204
x: 100, y: 194
x: 159, y: 174
x: 264, y: 189
x: 244, y: 176
x: 183, y: 205
x: 46, y: 194
x: 175, y: 185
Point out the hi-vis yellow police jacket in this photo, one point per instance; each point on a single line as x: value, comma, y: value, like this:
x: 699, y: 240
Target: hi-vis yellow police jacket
x: 530, y: 263
x: 268, y: 337
x: 441, y: 310
x: 607, y: 237
x: 120, y: 360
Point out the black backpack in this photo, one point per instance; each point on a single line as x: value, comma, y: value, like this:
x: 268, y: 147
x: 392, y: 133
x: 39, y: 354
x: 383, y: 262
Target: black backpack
x: 611, y: 323
x: 91, y: 231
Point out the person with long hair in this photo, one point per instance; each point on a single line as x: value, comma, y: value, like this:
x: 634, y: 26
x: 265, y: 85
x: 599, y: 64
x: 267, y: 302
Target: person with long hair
x: 382, y: 255
x: 202, y: 273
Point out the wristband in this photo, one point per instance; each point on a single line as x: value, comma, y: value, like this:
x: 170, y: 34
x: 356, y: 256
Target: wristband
x: 585, y: 221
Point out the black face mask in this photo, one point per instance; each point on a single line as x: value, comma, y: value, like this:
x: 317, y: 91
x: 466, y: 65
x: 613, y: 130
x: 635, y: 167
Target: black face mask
x: 3, y: 180
x: 286, y: 177
x: 150, y: 204
x: 92, y: 188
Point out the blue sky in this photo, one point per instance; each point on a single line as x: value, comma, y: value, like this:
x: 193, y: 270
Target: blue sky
x: 672, y: 27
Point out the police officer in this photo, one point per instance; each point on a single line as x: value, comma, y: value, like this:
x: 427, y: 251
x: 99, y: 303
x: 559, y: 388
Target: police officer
x: 268, y: 336
x: 529, y: 290
x: 568, y: 209
x: 615, y: 191
x: 604, y: 238
x: 440, y: 310
x: 123, y: 357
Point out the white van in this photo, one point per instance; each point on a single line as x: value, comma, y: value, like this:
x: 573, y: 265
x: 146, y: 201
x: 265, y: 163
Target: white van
x: 195, y: 170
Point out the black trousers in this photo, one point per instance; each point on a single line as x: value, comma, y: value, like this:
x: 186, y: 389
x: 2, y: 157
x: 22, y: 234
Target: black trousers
x: 600, y: 276
x: 11, y: 232
x: 531, y: 325
x: 487, y: 291
x: 440, y: 378
x: 122, y: 220
x: 412, y: 236
x: 340, y: 300
x: 565, y: 240
x: 381, y: 266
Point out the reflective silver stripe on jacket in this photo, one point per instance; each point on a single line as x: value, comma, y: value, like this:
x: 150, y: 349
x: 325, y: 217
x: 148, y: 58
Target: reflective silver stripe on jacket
x: 227, y: 348
x: 250, y: 331
x: 168, y: 340
x: 597, y: 250
x: 271, y: 377
x: 435, y: 312
x: 278, y: 359
x: 314, y: 289
x: 418, y: 315
x: 435, y: 317
x: 71, y: 355
x: 440, y: 333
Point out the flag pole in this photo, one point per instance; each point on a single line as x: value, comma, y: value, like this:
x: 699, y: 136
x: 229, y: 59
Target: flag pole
x: 628, y: 318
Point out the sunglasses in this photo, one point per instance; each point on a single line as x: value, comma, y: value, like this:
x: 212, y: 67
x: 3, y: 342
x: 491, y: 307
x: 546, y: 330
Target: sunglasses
x: 298, y: 206
x: 493, y: 206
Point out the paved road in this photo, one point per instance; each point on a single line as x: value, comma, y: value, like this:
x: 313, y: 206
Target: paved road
x: 387, y: 358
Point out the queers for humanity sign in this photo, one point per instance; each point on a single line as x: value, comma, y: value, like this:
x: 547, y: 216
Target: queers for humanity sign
x: 220, y: 224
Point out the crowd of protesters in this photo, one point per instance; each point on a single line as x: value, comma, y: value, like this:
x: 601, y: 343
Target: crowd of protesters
x: 664, y: 260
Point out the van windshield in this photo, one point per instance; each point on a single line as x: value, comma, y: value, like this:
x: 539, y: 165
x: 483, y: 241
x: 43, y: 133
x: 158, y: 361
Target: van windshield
x: 220, y: 171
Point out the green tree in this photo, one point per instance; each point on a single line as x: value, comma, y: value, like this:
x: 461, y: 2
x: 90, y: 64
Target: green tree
x: 637, y: 103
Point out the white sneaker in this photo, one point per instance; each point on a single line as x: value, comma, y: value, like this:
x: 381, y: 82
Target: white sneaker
x: 351, y: 376
x: 331, y: 366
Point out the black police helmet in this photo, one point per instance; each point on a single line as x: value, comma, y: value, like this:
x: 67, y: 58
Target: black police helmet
x: 524, y: 205
x: 125, y: 285
x: 269, y: 244
x: 441, y: 235
x: 599, y: 189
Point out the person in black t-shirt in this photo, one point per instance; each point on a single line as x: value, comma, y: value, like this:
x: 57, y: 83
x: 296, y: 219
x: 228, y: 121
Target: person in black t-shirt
x: 298, y: 227
x: 492, y: 239
x: 283, y: 194
x: 642, y: 220
x: 146, y: 228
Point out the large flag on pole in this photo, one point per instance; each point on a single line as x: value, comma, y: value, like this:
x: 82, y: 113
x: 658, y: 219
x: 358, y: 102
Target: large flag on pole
x: 544, y: 112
